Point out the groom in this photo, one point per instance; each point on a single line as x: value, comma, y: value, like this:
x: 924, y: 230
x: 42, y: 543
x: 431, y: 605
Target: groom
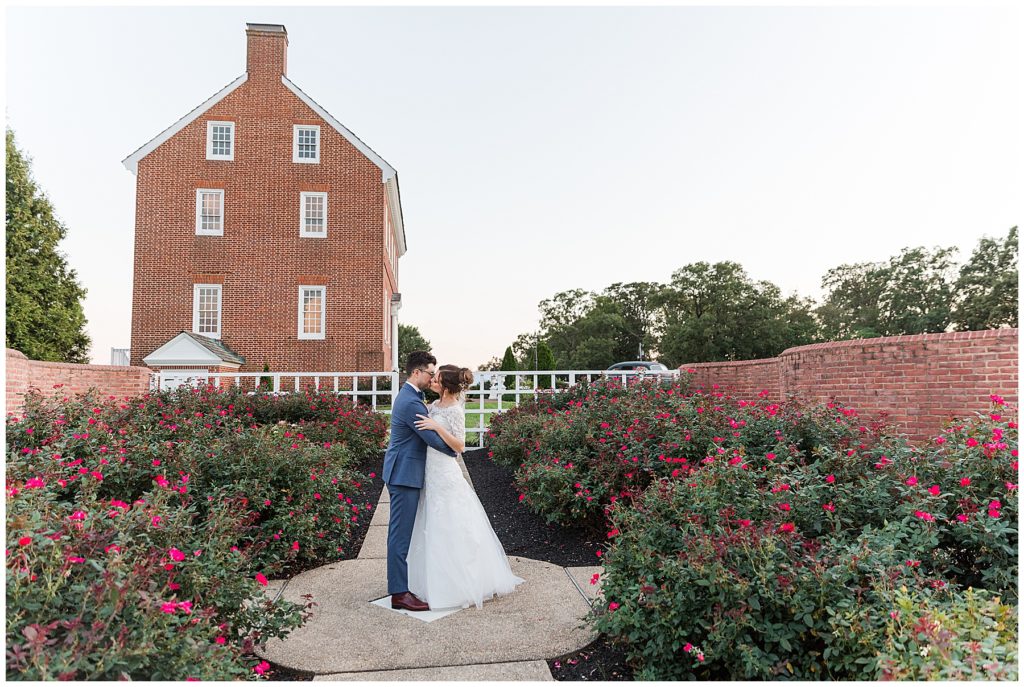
x: 404, y: 465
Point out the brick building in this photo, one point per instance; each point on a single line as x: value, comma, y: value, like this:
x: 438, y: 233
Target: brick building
x: 264, y: 224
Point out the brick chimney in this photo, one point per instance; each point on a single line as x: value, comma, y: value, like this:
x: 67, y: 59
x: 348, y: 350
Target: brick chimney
x: 267, y: 50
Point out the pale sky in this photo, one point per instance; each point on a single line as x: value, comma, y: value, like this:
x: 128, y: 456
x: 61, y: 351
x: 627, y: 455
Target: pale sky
x: 544, y: 149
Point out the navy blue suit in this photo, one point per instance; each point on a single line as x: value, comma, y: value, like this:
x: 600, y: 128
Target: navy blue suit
x: 404, y: 465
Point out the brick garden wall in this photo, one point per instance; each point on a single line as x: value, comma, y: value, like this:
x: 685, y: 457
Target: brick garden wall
x: 744, y: 378
x: 23, y: 374
x: 919, y: 381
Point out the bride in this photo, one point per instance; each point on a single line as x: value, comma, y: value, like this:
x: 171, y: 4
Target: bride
x: 455, y: 559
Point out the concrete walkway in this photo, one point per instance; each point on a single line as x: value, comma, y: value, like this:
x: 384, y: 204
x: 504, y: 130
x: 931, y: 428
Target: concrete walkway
x: 510, y: 638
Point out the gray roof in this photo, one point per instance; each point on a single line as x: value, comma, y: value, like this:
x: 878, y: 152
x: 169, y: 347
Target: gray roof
x: 217, y: 347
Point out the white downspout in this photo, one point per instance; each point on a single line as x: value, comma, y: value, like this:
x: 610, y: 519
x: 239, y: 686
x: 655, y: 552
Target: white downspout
x: 396, y: 305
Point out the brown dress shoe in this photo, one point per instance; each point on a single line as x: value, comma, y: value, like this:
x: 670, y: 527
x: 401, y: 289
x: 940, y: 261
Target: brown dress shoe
x: 408, y: 601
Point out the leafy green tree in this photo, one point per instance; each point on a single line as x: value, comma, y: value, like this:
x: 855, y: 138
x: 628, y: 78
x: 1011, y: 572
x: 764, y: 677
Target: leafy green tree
x: 559, y: 316
x: 409, y: 339
x: 986, y: 290
x: 640, y: 318
x: 852, y: 307
x: 588, y: 331
x: 590, y: 342
x: 716, y: 312
x: 508, y: 364
x: 602, y: 337
x: 911, y: 293
x: 266, y: 382
x: 545, y: 361
x: 45, y: 320
x: 920, y: 295
x: 492, y: 364
x: 525, y: 350
x: 564, y: 308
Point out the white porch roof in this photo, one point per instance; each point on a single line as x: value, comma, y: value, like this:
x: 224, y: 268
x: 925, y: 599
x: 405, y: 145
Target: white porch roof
x: 187, y: 349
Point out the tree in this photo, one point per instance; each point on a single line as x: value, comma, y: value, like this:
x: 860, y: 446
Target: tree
x: 545, y: 361
x: 45, y: 320
x: 492, y: 364
x: 851, y: 308
x: 508, y: 364
x: 716, y: 312
x: 525, y: 350
x: 919, y: 296
x: 911, y: 293
x: 266, y: 382
x: 640, y: 318
x: 564, y: 308
x: 588, y: 331
x: 590, y: 342
x: 409, y: 340
x: 598, y: 337
x: 986, y: 289
x: 559, y: 316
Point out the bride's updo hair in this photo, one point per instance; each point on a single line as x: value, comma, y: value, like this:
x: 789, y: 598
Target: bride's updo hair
x: 453, y: 379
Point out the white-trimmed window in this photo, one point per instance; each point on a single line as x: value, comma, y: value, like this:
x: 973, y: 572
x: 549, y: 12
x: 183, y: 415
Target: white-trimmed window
x: 312, y: 316
x: 206, y: 309
x: 210, y: 211
x: 306, y: 143
x: 313, y: 214
x: 220, y: 140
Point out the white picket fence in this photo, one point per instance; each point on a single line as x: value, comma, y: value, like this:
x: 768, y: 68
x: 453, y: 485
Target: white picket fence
x: 489, y: 394
x: 341, y: 383
x: 490, y: 390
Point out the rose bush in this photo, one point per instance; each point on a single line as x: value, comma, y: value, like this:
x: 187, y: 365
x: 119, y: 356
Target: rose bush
x: 752, y: 540
x: 140, y: 534
x: 575, y: 453
x: 942, y: 636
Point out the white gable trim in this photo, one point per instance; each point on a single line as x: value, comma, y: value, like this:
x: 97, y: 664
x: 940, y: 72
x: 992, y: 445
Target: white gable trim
x: 184, y: 350
x: 132, y: 161
x: 395, y: 206
x: 387, y: 170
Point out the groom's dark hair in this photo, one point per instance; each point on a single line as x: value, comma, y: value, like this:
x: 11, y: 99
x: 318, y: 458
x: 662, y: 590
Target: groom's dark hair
x: 417, y: 360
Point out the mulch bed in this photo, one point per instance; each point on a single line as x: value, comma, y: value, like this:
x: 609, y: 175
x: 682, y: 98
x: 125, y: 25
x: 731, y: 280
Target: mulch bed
x: 520, y: 531
x: 369, y: 493
x: 524, y: 534
x: 599, y: 661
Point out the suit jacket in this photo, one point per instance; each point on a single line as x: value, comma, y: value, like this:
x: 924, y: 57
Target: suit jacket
x: 406, y: 457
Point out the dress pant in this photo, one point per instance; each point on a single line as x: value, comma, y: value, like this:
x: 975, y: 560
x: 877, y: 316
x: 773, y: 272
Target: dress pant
x: 404, y: 501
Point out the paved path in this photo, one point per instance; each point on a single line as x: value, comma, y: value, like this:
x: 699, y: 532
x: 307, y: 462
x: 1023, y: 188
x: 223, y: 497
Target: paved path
x: 510, y: 638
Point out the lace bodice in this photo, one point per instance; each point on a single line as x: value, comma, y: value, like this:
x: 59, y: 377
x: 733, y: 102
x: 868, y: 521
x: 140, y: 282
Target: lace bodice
x: 453, y: 418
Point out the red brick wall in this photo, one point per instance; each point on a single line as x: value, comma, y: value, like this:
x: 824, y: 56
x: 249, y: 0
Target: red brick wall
x: 744, y: 378
x: 108, y: 380
x: 919, y: 381
x: 261, y: 260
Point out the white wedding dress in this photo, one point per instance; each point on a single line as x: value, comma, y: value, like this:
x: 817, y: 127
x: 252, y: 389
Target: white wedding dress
x: 455, y: 559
